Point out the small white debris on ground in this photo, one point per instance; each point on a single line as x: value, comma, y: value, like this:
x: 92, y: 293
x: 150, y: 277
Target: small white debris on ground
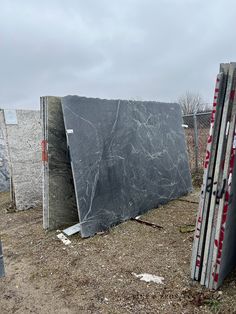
x: 63, y: 238
x: 149, y: 278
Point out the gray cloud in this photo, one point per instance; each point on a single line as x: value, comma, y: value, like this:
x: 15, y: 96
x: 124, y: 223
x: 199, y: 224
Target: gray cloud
x: 139, y: 49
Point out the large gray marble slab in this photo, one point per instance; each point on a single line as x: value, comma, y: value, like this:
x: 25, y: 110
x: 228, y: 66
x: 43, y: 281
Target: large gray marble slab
x: 24, y: 148
x: 127, y: 157
x: 59, y: 204
x: 4, y: 165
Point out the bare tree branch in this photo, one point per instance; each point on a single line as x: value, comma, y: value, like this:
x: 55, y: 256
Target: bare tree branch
x: 192, y: 102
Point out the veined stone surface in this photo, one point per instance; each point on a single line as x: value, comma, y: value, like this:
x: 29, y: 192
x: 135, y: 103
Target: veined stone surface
x: 59, y: 204
x: 24, y: 140
x: 4, y: 167
x: 127, y: 157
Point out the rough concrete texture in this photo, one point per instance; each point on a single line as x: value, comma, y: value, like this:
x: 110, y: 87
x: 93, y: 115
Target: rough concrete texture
x: 4, y: 170
x: 25, y: 158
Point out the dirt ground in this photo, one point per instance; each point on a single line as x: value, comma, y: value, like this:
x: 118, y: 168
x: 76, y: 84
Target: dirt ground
x: 96, y: 275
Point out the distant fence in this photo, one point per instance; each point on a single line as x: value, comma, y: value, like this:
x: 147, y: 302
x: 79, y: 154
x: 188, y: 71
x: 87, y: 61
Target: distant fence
x: 196, y: 131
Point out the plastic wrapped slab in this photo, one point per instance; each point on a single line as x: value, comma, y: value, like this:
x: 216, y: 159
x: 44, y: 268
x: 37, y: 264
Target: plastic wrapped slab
x: 223, y: 249
x: 209, y: 168
x: 227, y: 247
x: 127, y: 157
x: 221, y: 156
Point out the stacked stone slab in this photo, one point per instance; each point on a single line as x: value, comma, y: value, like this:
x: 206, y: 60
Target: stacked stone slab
x: 59, y: 204
x: 110, y: 160
x: 2, y: 268
x: 214, y: 250
x: 4, y: 165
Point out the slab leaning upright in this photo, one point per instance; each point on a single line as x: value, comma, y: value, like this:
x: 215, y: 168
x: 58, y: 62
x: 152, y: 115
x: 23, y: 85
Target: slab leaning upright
x: 126, y: 157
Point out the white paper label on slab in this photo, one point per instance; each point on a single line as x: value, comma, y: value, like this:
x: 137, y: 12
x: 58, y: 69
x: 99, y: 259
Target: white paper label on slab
x: 211, y: 130
x: 10, y: 116
x: 69, y: 131
x: 227, y: 128
x: 234, y: 143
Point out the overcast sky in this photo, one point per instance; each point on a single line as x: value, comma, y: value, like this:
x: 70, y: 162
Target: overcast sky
x: 130, y: 49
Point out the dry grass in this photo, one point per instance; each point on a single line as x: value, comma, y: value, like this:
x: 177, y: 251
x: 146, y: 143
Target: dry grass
x: 95, y: 275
